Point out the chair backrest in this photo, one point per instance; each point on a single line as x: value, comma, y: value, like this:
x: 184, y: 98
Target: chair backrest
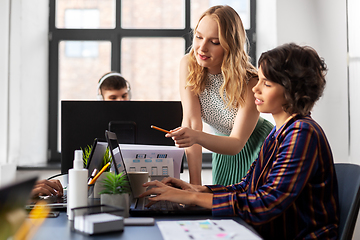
x: 348, y: 176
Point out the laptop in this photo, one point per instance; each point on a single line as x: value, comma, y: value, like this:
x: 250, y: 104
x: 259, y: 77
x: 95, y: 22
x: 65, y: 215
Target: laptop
x: 16, y: 195
x: 137, y: 207
x: 95, y: 161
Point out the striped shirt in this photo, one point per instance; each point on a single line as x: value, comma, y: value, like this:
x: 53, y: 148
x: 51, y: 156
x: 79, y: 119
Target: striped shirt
x: 290, y: 191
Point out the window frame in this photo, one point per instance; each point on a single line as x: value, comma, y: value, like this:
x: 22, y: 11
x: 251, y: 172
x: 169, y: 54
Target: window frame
x: 114, y: 35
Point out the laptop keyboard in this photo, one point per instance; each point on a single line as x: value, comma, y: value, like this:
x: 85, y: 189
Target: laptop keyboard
x: 56, y: 199
x: 163, y: 205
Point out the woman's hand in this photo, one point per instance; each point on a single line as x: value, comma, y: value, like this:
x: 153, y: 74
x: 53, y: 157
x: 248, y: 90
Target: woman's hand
x: 184, y: 136
x: 177, y: 183
x: 160, y: 191
x: 47, y: 187
x: 169, y: 190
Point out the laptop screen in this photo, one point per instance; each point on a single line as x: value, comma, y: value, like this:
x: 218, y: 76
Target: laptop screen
x: 117, y: 164
x: 15, y: 195
x: 96, y: 157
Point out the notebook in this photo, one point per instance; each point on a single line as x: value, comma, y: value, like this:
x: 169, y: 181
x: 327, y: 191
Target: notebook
x: 137, y: 207
x: 95, y: 161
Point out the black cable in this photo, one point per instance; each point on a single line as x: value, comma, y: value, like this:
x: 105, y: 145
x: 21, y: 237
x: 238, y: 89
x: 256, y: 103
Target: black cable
x: 57, y: 175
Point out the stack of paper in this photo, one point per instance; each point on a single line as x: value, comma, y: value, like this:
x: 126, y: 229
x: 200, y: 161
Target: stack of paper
x: 98, y: 223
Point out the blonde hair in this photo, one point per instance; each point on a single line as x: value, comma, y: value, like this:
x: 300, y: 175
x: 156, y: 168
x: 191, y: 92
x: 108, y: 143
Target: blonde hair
x: 236, y: 67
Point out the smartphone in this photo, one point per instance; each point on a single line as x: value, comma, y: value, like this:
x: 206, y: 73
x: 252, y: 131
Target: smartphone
x: 139, y: 221
x: 49, y: 215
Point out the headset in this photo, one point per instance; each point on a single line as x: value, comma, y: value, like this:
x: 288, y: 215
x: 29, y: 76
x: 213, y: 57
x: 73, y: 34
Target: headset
x: 99, y: 96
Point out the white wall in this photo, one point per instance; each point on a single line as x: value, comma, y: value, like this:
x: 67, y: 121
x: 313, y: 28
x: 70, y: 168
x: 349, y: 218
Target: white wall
x: 28, y: 82
x: 266, y: 37
x: 322, y: 25
x: 354, y: 76
x: 4, y: 66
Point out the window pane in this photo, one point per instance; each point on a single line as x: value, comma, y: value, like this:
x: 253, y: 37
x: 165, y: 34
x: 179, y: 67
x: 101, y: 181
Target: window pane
x: 79, y: 76
x: 81, y: 49
x: 81, y: 64
x: 157, y: 14
x: 87, y: 14
x: 242, y: 7
x: 151, y: 65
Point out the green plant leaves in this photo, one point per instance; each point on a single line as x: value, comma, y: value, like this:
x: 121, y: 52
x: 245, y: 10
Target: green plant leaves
x: 115, y: 184
x: 107, y: 158
x: 86, y: 154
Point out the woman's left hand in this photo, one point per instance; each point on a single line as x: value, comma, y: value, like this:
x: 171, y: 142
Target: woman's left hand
x: 47, y: 187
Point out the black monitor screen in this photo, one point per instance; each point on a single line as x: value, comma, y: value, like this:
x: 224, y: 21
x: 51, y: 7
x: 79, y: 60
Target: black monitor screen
x: 83, y: 121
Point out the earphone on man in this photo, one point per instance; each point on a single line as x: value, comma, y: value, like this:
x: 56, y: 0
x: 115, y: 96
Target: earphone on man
x: 99, y: 96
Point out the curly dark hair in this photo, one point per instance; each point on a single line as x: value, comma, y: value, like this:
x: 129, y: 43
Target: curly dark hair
x: 300, y: 70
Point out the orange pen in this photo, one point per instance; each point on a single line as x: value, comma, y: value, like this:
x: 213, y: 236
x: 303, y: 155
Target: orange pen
x: 160, y: 129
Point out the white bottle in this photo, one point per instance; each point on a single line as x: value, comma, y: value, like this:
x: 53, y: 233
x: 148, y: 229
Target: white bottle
x: 77, y: 195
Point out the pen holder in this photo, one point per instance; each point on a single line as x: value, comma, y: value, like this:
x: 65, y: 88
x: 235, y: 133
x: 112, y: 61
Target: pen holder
x: 91, y: 190
x: 98, y: 185
x: 97, y: 219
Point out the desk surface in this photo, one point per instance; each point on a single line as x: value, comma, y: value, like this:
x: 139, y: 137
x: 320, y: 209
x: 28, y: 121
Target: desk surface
x: 60, y: 228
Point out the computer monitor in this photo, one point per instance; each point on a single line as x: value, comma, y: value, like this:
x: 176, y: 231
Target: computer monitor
x: 83, y: 121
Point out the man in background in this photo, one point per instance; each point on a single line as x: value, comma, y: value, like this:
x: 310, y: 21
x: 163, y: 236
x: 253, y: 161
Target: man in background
x: 113, y: 87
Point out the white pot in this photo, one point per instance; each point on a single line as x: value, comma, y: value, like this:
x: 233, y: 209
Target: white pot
x: 117, y: 200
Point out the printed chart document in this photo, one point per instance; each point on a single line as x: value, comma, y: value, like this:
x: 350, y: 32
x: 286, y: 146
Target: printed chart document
x: 205, y: 229
x: 139, y: 151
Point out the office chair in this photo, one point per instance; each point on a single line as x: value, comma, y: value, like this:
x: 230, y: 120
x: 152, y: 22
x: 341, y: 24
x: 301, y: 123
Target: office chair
x: 348, y: 176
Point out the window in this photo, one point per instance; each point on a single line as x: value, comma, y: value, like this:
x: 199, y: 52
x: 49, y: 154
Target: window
x: 142, y: 39
x: 81, y: 18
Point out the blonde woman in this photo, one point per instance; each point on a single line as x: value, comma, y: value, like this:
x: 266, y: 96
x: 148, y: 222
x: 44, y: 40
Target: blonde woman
x: 216, y: 79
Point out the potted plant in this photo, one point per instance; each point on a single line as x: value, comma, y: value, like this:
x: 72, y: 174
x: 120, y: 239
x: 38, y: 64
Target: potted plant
x: 116, y: 191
